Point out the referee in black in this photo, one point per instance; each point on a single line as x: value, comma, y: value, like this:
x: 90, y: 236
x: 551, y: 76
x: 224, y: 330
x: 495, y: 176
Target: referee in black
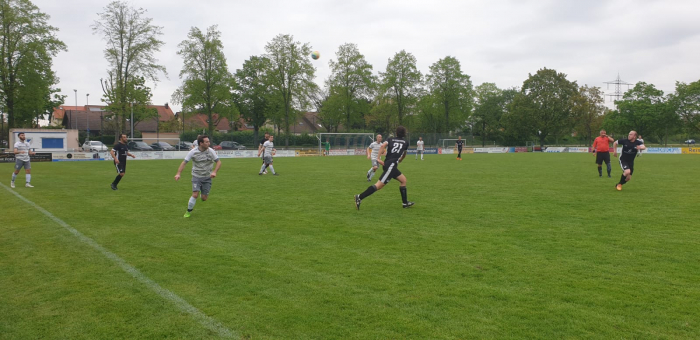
x: 459, y: 145
x: 119, y: 153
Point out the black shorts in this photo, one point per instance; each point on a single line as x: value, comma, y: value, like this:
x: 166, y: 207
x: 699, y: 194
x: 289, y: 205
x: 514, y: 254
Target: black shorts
x: 601, y: 157
x: 391, y: 170
x: 121, y: 167
x: 627, y: 165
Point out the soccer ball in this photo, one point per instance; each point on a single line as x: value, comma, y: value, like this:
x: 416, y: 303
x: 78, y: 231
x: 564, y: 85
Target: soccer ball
x: 315, y: 55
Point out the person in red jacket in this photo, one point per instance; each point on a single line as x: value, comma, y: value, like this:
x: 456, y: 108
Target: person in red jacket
x: 601, y: 151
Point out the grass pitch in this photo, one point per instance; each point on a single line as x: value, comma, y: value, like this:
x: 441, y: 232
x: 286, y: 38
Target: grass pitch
x: 497, y: 246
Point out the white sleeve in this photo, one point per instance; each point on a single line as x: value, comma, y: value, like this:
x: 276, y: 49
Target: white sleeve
x: 189, y: 155
x: 213, y: 153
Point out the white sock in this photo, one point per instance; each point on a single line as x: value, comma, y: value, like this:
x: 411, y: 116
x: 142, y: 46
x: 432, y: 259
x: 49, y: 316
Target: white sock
x: 190, y: 204
x: 272, y: 169
x: 372, y: 174
x: 28, y: 177
x: 14, y: 176
x: 262, y: 168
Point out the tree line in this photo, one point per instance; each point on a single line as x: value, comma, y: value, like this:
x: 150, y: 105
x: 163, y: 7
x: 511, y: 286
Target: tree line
x: 278, y: 86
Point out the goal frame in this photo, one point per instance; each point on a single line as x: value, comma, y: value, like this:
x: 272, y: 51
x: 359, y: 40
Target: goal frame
x: 320, y: 136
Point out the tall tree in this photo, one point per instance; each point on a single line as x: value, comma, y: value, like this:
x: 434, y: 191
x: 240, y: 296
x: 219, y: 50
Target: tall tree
x: 27, y: 47
x: 453, y: 89
x: 251, y: 92
x: 352, y: 82
x: 207, y: 84
x: 402, y: 82
x: 543, y: 106
x: 487, y: 110
x: 588, y: 111
x: 686, y: 102
x: 291, y: 75
x: 639, y: 109
x: 132, y: 41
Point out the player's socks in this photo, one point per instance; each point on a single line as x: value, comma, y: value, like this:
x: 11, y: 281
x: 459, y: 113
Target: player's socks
x: 371, y: 174
x: 608, y: 169
x: 28, y: 177
x: 191, y: 203
x: 369, y: 191
x: 600, y: 171
x: 404, y: 195
x: 623, y: 179
x: 14, y: 176
x: 262, y: 168
x: 116, y: 180
x: 271, y: 169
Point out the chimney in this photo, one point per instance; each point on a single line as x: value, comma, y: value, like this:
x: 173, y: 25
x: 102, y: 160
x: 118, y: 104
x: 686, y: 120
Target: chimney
x: 166, y: 106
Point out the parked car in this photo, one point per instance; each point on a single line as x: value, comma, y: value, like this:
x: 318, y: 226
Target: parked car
x: 215, y: 147
x: 94, y: 145
x: 163, y: 146
x: 139, y: 146
x: 690, y: 141
x: 229, y: 145
x: 184, y: 146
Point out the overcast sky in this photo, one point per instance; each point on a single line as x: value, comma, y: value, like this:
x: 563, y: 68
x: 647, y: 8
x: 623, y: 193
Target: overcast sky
x: 495, y: 41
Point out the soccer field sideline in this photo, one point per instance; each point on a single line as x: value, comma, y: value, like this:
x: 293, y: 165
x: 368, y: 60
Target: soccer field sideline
x: 381, y: 208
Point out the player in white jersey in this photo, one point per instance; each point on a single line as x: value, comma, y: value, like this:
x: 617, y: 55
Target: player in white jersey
x: 373, y: 155
x: 22, y: 152
x: 195, y: 144
x: 268, y: 151
x: 419, y: 148
x: 203, y: 159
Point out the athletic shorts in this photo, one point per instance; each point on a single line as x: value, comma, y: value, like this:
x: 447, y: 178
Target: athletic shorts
x: 601, y: 157
x: 201, y: 185
x: 627, y: 165
x: 391, y: 170
x: 375, y: 163
x: 420, y: 152
x: 121, y: 167
x: 267, y: 160
x: 19, y: 164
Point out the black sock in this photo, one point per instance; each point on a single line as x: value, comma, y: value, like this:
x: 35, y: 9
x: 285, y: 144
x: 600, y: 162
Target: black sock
x: 116, y: 180
x: 600, y: 171
x: 608, y: 169
x: 404, y: 195
x: 368, y: 192
x: 623, y: 179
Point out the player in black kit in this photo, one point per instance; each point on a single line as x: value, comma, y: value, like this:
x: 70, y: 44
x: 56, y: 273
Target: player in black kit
x: 630, y: 147
x: 395, y: 153
x: 119, y: 153
x: 459, y: 145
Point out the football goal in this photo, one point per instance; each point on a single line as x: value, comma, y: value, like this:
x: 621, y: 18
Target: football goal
x: 330, y: 141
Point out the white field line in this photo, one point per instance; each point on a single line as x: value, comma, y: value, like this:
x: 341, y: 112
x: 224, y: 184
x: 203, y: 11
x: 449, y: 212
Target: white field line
x: 179, y: 302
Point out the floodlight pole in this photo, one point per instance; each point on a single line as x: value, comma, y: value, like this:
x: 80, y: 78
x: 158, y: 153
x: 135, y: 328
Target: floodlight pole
x: 87, y: 115
x: 132, y: 120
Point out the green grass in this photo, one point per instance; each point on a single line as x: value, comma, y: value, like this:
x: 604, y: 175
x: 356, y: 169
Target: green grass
x: 496, y: 247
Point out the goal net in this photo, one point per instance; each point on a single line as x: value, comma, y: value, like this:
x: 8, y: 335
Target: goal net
x: 344, y: 141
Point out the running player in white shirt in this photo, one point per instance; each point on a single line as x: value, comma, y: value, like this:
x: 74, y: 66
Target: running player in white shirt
x: 22, y: 152
x: 269, y: 150
x: 203, y: 160
x: 419, y: 148
x: 373, y: 154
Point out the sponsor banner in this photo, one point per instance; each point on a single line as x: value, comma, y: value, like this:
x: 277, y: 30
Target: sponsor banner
x: 427, y: 151
x: 339, y: 152
x: 664, y: 150
x: 555, y: 149
x: 360, y: 152
x: 237, y: 153
x: 691, y: 151
x: 9, y: 157
x: 447, y: 151
x: 308, y: 152
x: 76, y: 156
x: 491, y: 150
x: 581, y: 150
x: 518, y: 149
